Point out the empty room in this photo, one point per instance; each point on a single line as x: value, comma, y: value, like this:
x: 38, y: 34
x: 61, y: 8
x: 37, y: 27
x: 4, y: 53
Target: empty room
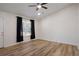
x: 39, y: 29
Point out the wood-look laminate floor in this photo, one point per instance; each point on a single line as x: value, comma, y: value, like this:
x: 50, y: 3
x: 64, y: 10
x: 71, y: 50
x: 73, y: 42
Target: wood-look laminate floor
x: 40, y: 48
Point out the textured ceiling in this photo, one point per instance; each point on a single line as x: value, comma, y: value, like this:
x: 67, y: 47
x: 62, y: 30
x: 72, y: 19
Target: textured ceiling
x: 24, y: 10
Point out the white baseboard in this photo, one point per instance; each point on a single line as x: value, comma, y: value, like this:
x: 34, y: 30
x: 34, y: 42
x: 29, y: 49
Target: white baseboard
x: 15, y: 43
x: 10, y: 45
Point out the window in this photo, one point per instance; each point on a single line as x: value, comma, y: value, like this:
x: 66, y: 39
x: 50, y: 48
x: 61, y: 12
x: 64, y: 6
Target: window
x: 26, y: 27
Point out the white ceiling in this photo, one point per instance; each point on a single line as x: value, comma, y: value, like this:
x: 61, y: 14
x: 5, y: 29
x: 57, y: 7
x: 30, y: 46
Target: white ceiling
x: 24, y: 10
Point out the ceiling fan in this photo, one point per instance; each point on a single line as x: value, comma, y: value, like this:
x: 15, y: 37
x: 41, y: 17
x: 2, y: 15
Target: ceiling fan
x: 39, y: 5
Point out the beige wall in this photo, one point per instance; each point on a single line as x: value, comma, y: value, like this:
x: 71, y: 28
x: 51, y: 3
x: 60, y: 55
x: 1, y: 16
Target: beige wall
x: 10, y: 29
x: 61, y: 26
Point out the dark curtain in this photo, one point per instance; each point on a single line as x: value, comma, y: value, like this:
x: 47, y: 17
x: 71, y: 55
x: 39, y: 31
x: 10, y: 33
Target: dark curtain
x: 19, y: 29
x: 32, y: 29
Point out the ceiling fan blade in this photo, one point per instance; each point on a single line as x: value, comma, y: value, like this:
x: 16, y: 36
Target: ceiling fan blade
x: 43, y: 3
x: 32, y: 5
x: 37, y: 9
x: 44, y: 7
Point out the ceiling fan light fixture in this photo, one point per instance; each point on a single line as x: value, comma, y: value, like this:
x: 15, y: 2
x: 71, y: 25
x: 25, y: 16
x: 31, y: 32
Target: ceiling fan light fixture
x: 39, y: 6
x: 39, y: 14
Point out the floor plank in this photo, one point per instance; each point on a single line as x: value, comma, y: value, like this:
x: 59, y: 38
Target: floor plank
x: 40, y: 48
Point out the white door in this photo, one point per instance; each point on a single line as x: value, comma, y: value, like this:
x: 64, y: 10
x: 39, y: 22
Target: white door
x: 1, y: 33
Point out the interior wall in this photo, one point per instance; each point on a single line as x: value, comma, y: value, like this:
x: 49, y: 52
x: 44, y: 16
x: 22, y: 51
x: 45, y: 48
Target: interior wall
x: 1, y: 31
x: 61, y: 26
x: 78, y: 23
x: 37, y: 29
x: 10, y: 29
